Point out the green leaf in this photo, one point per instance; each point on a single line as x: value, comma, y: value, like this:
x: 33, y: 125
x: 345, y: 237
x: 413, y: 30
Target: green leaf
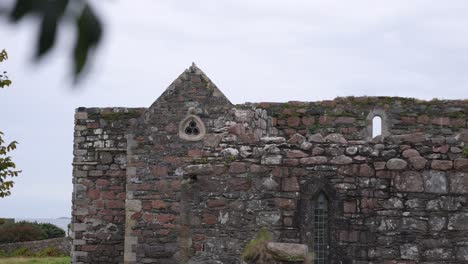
x: 89, y: 34
x: 53, y: 11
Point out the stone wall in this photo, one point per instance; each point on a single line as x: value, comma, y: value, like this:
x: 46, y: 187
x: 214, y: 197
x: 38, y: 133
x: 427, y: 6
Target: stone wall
x: 99, y: 169
x: 63, y: 244
x: 401, y: 198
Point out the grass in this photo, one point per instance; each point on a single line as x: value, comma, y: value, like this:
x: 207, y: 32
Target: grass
x: 27, y: 260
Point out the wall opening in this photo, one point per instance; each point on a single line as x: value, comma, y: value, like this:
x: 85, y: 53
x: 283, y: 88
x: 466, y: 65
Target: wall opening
x: 376, y: 126
x: 321, y: 243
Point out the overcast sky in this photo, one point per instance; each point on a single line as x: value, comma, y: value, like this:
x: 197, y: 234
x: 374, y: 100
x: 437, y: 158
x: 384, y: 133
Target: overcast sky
x: 254, y: 50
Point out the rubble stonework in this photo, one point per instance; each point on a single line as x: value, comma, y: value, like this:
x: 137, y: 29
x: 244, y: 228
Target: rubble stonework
x: 145, y: 193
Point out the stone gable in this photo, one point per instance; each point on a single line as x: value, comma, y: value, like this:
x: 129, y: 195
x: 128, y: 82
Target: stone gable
x: 193, y: 178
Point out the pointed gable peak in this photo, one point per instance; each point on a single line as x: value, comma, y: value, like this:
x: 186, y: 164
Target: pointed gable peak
x: 193, y: 85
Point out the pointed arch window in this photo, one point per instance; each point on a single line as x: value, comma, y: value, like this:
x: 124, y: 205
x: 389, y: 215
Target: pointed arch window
x: 321, y: 239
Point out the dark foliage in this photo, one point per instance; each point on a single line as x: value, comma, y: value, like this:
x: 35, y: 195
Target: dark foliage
x: 26, y: 231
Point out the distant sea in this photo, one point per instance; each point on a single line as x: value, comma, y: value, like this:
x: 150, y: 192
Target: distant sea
x: 60, y: 222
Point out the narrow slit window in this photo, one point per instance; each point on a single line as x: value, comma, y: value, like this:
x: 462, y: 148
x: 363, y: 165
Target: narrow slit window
x: 321, y: 230
x: 376, y: 126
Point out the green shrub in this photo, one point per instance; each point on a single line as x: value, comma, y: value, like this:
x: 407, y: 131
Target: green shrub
x: 52, y: 231
x: 20, y: 252
x: 26, y: 231
x: 20, y: 232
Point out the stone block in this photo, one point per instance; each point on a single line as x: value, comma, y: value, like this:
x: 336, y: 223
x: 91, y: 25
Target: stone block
x: 290, y: 184
x: 458, y: 221
x: 396, y: 164
x: 459, y: 182
x: 435, y: 181
x: 409, y: 251
x: 409, y: 181
x: 441, y: 164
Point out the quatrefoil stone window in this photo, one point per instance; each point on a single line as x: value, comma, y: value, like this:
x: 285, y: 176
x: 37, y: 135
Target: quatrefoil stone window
x: 191, y: 128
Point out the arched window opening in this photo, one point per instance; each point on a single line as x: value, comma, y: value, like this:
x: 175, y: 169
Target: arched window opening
x: 321, y: 229
x: 376, y: 126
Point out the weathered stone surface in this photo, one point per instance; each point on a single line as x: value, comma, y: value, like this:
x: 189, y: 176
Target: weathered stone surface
x: 351, y: 150
x: 336, y: 138
x: 287, y: 251
x: 409, y: 181
x: 276, y: 140
x: 145, y: 192
x: 458, y: 221
x: 441, y: 164
x: 459, y: 182
x: 461, y: 164
x: 295, y: 154
x: 438, y: 254
x: 418, y: 163
x: 409, y: 153
x: 272, y: 160
x: 341, y: 160
x: 435, y: 181
x: 314, y: 160
x: 296, y: 139
x: 317, y: 138
x: 396, y: 164
x: 409, y: 251
x: 437, y: 223
x: 462, y: 253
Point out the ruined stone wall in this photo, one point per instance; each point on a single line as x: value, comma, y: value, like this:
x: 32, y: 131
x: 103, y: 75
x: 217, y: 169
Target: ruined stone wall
x: 99, y: 169
x: 351, y: 116
x: 402, y: 198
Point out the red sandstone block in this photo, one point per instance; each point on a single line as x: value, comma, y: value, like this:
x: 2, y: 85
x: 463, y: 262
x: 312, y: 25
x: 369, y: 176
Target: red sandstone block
x: 408, y: 120
x: 93, y: 194
x: 237, y: 167
x: 368, y: 203
x: 349, y: 207
x: 158, y: 204
x: 176, y: 185
x: 290, y: 162
x: 88, y: 248
x: 165, y: 218
x: 288, y: 221
x: 290, y: 184
x: 102, y: 183
x: 423, y: 119
x: 286, y: 204
x: 198, y: 237
x: 194, y: 153
x: 294, y: 153
x: 254, y: 168
x: 308, y: 120
x: 163, y: 232
x: 441, y: 164
x: 216, y: 203
x: 345, y: 120
x: 280, y: 172
x: 442, y: 149
x: 108, y: 195
x: 93, y: 125
x: 171, y: 128
x: 294, y: 121
x: 326, y: 120
x: 461, y: 164
x: 441, y: 121
x: 209, y: 219
x: 114, y: 204
x: 159, y: 171
x: 457, y: 122
x: 239, y: 184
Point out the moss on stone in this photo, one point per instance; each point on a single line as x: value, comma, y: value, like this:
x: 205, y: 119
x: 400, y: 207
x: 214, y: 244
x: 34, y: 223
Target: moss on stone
x: 257, y: 244
x: 114, y: 116
x: 465, y: 152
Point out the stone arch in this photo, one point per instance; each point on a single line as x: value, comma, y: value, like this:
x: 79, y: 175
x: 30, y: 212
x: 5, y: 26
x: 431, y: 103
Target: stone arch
x: 309, y: 194
x: 385, y: 122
